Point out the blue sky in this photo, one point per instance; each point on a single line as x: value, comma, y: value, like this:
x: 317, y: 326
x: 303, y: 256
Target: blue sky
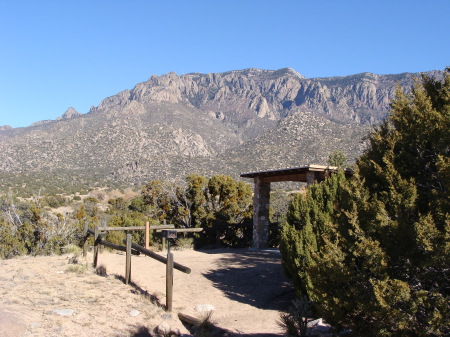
x: 56, y: 54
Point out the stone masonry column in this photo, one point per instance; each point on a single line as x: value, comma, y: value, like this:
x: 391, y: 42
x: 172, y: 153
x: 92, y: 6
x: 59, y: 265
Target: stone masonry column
x: 261, y: 203
x: 311, y: 177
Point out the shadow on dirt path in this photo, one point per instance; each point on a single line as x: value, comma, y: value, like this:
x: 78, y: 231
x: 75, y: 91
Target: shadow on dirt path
x: 252, y: 277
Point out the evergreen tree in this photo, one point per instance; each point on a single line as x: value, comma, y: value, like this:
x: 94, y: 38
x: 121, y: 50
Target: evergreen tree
x: 199, y: 201
x: 373, y: 252
x: 337, y: 158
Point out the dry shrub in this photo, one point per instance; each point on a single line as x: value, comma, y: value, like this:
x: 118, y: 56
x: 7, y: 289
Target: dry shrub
x: 77, y: 268
x: 71, y: 249
x: 206, y: 327
x: 295, y: 322
x: 101, y: 270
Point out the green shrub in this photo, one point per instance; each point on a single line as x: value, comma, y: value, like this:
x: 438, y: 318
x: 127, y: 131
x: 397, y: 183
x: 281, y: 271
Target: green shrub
x: 54, y: 201
x: 15, y: 242
x: 27, y: 228
x: 372, y: 252
x: 128, y: 219
x: 184, y: 243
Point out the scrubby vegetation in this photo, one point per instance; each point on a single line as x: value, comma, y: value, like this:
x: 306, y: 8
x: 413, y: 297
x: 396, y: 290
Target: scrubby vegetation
x: 27, y: 227
x: 370, y: 254
x: 34, y: 226
x: 200, y: 202
x: 373, y: 252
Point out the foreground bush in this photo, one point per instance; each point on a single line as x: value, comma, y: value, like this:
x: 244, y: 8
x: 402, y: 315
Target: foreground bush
x: 27, y: 228
x: 373, y: 252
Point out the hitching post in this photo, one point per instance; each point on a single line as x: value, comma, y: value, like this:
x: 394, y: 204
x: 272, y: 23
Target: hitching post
x: 169, y: 269
x: 147, y: 235
x: 169, y: 282
x: 128, y: 261
x: 86, y: 236
x: 96, y: 234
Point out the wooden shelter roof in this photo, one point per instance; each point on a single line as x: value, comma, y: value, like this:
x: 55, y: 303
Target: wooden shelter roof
x: 294, y: 173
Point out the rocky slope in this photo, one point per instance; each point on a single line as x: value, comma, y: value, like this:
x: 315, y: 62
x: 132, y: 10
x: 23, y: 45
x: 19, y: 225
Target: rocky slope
x: 173, y: 125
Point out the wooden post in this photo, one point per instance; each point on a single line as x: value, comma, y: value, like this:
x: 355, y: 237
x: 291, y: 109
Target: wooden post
x: 96, y: 239
x: 164, y: 239
x: 169, y: 282
x: 128, y: 261
x: 147, y: 235
x: 86, y: 236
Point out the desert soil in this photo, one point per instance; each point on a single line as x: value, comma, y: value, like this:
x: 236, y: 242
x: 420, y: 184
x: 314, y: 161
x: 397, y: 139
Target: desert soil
x: 40, y: 297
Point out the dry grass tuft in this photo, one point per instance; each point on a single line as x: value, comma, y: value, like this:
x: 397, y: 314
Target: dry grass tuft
x: 71, y: 249
x: 77, y: 268
x: 101, y: 270
x: 206, y: 327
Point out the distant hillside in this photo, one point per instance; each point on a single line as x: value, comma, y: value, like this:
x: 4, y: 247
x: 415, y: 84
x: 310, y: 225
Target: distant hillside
x: 171, y: 125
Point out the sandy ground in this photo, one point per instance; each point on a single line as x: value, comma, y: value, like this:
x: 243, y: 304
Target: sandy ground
x: 247, y: 290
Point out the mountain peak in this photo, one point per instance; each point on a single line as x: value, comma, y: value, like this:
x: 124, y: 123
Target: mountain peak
x: 289, y: 71
x: 5, y: 127
x: 263, y: 73
x: 70, y: 113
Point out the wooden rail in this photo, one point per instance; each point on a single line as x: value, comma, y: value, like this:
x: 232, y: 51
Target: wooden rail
x: 170, y: 265
x: 105, y: 243
x: 183, y: 230
x: 159, y: 258
x: 90, y: 231
x: 135, y: 228
x: 179, y: 230
x: 135, y: 249
x: 117, y: 247
x: 147, y: 229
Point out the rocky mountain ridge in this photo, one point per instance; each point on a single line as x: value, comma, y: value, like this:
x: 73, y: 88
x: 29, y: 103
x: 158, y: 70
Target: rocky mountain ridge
x: 240, y: 95
x: 231, y: 122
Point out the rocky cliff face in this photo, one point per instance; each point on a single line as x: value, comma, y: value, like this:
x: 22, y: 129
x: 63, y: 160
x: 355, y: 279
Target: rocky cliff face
x: 239, y: 96
x: 172, y: 125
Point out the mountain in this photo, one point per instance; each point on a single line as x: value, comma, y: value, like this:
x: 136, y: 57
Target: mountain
x: 70, y: 113
x: 171, y: 125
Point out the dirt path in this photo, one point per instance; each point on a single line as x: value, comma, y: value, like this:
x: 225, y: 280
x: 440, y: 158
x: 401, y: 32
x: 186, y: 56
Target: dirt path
x: 247, y: 290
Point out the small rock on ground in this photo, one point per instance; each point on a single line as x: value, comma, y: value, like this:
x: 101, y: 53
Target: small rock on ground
x: 204, y: 308
x: 64, y: 312
x: 134, y: 312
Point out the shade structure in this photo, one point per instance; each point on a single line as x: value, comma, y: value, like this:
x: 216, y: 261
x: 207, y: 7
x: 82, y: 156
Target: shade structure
x: 308, y: 174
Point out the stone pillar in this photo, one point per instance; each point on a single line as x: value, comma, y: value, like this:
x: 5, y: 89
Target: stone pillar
x: 261, y: 204
x: 310, y: 177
